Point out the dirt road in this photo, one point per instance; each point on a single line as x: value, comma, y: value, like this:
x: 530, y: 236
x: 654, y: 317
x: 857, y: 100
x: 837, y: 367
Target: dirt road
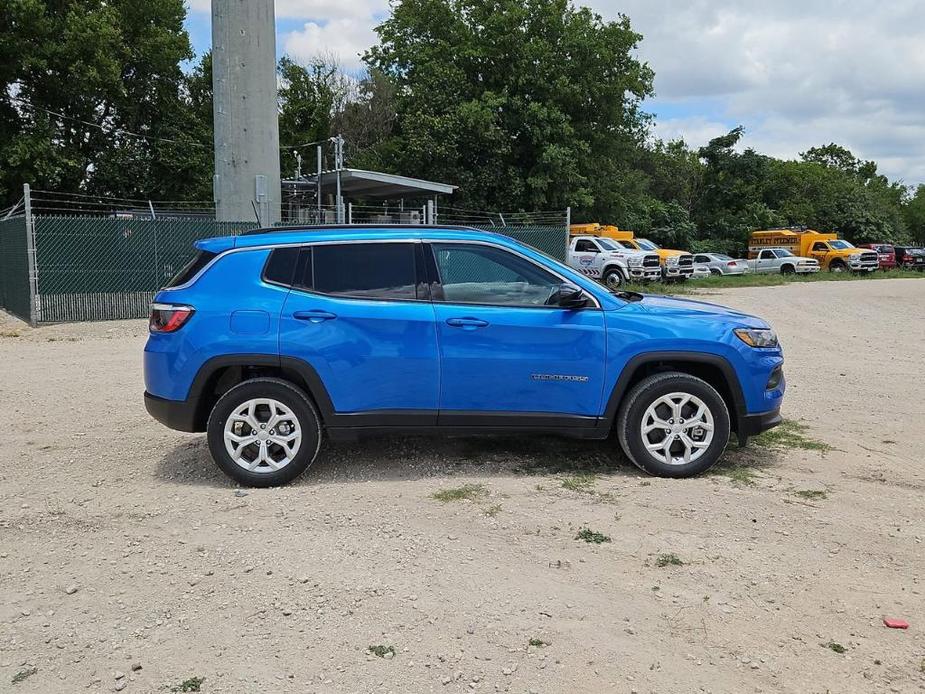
x: 129, y: 563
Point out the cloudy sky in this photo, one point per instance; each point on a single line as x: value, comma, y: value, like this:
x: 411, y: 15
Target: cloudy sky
x: 795, y: 73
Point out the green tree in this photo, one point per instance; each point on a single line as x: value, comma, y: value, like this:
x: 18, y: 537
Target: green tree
x: 914, y: 213
x: 524, y: 104
x: 91, y: 90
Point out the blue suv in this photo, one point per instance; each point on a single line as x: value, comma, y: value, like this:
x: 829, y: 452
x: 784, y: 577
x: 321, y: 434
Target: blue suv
x: 276, y: 339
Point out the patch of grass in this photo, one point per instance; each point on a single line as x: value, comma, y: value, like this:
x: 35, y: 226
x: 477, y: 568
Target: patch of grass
x: 381, y: 651
x: 736, y: 472
x: 467, y: 492
x: 583, y: 482
x: 589, y: 535
x: 767, y: 280
x: 23, y: 675
x: 835, y: 646
x: 539, y: 643
x: 790, y: 434
x: 193, y: 684
x: 493, y: 510
x: 10, y: 333
x: 668, y: 559
x: 811, y: 494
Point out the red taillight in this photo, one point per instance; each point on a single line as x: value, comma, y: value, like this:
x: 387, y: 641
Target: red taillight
x: 168, y: 318
x: 731, y: 263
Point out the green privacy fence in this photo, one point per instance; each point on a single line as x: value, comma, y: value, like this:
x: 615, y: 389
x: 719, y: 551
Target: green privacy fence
x: 92, y: 268
x: 105, y: 267
x: 15, y: 295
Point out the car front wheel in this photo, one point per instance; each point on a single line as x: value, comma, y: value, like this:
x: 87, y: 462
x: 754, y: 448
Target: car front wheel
x: 264, y: 432
x: 673, y: 424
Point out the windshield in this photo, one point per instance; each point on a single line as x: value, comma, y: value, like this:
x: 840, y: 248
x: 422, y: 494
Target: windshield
x: 840, y: 245
x: 608, y: 245
x: 646, y: 245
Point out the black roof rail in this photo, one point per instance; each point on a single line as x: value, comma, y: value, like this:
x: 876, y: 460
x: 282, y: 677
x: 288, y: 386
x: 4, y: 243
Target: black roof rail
x: 383, y: 227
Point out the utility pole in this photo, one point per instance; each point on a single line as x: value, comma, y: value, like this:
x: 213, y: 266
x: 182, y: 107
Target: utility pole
x: 244, y: 110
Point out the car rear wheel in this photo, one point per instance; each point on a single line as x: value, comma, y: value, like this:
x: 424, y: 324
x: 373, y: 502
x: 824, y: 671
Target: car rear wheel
x: 673, y: 424
x: 264, y: 432
x: 613, y: 278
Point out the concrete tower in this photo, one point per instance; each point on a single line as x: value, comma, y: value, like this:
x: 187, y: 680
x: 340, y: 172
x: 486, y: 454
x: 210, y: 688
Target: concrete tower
x: 244, y: 110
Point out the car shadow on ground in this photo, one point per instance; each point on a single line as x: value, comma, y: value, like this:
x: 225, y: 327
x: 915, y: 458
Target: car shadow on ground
x: 397, y: 458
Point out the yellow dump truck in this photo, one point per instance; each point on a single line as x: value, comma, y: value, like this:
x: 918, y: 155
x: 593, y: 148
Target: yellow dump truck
x: 676, y: 265
x: 833, y: 254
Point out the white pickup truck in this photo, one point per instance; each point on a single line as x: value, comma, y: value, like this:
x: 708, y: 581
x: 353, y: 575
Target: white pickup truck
x: 782, y: 261
x: 611, y: 262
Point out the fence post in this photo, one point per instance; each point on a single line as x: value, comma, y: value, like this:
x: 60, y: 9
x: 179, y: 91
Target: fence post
x: 349, y: 213
x: 35, y: 311
x: 430, y: 213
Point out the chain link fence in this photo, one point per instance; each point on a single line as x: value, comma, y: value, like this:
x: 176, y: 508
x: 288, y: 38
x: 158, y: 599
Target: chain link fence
x: 63, y: 264
x: 15, y: 295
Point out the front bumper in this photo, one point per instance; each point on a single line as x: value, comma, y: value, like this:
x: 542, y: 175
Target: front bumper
x: 174, y: 414
x: 807, y: 268
x: 677, y: 271
x: 645, y: 273
x: 754, y: 424
x: 864, y: 266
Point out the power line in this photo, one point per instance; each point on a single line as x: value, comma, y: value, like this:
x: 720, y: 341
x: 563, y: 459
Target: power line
x: 114, y: 131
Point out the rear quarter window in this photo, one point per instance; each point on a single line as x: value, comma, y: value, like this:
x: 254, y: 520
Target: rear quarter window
x: 191, y: 269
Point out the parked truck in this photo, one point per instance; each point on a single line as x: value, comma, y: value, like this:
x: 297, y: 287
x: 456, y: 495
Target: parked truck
x: 833, y: 254
x: 781, y: 261
x: 610, y: 262
x: 675, y: 265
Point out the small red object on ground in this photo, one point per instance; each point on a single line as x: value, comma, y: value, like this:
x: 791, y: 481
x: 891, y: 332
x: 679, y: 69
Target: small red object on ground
x: 896, y: 623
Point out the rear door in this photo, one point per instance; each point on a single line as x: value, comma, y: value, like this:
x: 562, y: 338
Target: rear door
x: 358, y: 315
x: 503, y: 350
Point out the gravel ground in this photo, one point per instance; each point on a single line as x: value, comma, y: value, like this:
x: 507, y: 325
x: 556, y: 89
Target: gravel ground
x: 129, y: 563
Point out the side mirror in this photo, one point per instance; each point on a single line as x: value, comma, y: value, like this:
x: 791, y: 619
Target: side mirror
x: 570, y: 296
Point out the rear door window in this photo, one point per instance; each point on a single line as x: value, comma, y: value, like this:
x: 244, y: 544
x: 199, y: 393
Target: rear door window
x: 365, y: 270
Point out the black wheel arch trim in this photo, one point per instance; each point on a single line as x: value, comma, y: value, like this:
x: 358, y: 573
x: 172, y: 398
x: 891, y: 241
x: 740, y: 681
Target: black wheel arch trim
x: 647, y: 358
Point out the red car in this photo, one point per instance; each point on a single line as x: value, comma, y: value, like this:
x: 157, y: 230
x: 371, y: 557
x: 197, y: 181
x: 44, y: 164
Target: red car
x: 885, y: 253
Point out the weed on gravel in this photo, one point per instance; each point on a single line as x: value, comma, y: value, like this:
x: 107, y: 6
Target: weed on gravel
x: 539, y: 643
x: 811, y: 494
x: 790, y: 434
x: 589, y: 535
x: 193, y: 684
x: 467, y: 492
x: 23, y: 675
x: 382, y: 651
x: 583, y: 483
x: 668, y: 559
x: 835, y: 646
x: 493, y: 510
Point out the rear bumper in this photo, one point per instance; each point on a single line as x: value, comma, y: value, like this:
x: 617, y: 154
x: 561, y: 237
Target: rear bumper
x: 174, y: 414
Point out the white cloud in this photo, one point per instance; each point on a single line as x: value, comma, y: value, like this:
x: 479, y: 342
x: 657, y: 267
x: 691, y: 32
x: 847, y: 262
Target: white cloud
x: 346, y: 39
x: 795, y: 73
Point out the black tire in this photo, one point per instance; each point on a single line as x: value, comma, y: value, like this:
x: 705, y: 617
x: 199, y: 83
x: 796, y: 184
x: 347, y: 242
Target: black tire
x: 613, y: 278
x: 290, y: 396
x: 787, y: 269
x: 715, y: 271
x: 838, y: 266
x: 644, y: 394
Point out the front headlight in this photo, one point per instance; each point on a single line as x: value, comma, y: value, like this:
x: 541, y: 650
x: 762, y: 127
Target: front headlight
x: 634, y: 260
x: 755, y: 337
x: 855, y: 256
x: 672, y: 260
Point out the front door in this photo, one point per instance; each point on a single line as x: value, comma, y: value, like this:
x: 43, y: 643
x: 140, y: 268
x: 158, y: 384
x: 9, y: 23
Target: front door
x: 503, y: 350
x: 358, y: 316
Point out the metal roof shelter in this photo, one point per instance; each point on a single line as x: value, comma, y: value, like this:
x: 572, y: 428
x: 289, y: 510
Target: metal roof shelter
x: 343, y: 183
x: 375, y: 184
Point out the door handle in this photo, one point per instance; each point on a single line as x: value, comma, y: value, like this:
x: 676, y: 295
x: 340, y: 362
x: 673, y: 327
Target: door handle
x: 314, y: 316
x: 466, y: 323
